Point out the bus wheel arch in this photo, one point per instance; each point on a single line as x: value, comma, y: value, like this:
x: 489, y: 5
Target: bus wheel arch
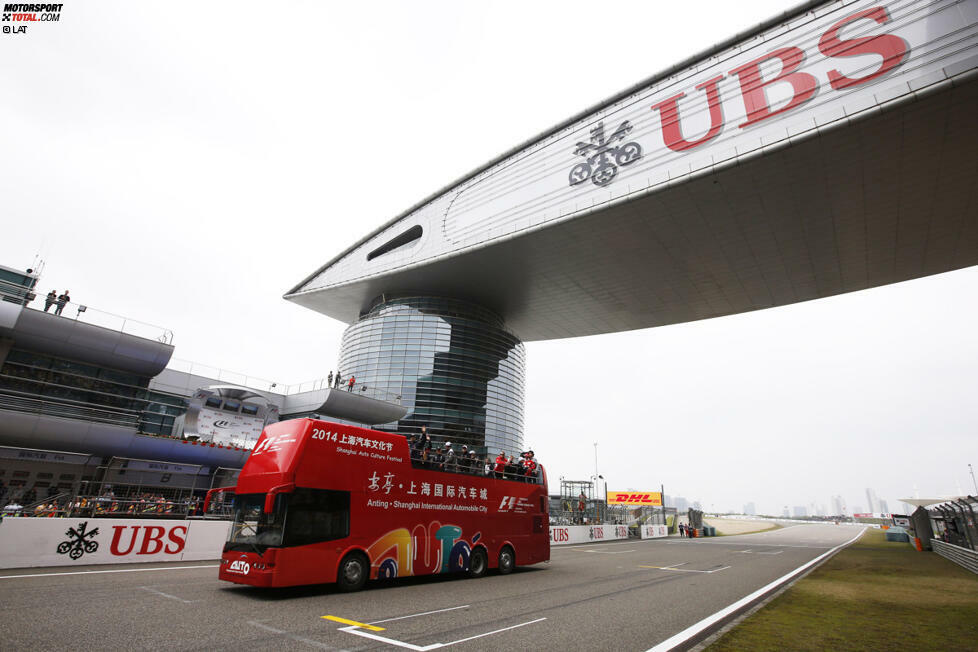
x: 507, y: 559
x: 478, y: 562
x: 353, y: 571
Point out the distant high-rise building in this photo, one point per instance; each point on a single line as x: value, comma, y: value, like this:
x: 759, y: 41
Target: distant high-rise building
x: 799, y: 510
x: 680, y: 503
x: 838, y: 506
x: 696, y: 505
x: 749, y: 509
x: 872, y: 501
x: 884, y: 508
x: 784, y: 512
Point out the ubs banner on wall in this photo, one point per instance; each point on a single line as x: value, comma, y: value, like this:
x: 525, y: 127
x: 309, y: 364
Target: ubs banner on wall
x: 27, y: 542
x: 561, y: 535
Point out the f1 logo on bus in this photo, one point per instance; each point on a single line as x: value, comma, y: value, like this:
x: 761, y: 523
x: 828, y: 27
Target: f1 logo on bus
x: 239, y: 566
x: 514, y: 504
x: 272, y: 443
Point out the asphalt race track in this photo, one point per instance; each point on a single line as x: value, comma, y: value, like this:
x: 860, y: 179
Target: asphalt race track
x: 627, y: 595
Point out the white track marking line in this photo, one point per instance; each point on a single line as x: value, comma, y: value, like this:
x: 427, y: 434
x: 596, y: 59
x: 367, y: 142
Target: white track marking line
x: 123, y: 570
x: 684, y: 570
x: 424, y: 613
x: 462, y: 640
x: 693, y: 630
x: 433, y: 646
x: 301, y: 639
x: 733, y: 543
x: 772, y: 552
x: 167, y: 595
x: 608, y: 552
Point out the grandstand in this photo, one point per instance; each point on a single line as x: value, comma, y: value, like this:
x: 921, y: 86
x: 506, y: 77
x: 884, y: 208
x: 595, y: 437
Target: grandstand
x: 90, y: 400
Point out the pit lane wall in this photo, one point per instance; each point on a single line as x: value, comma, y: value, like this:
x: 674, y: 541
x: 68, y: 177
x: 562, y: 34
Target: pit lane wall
x: 29, y: 542
x: 654, y: 531
x: 562, y: 535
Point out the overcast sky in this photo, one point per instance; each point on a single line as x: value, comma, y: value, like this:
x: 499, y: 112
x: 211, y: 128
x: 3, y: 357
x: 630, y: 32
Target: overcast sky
x: 185, y: 164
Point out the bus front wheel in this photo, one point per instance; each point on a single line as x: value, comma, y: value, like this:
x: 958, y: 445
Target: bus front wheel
x: 353, y: 572
x: 507, y: 560
x: 478, y: 563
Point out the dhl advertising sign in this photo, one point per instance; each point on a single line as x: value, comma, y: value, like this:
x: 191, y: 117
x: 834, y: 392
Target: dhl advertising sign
x: 635, y: 498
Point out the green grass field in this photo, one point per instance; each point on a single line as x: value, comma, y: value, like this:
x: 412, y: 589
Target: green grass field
x: 874, y: 595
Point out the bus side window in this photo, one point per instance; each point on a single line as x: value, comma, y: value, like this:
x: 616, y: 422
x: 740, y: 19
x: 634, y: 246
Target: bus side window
x: 543, y: 504
x: 316, y: 515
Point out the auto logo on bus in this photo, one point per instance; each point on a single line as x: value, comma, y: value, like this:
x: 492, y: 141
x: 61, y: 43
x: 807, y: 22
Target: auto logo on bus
x: 239, y: 566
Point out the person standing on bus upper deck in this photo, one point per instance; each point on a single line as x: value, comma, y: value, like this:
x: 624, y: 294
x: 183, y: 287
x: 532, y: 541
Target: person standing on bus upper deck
x: 329, y: 380
x: 449, y: 455
x: 463, y: 459
x: 436, y: 460
x: 500, y: 466
x: 351, y: 383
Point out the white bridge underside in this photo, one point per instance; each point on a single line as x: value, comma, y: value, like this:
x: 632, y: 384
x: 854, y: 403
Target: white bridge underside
x: 887, y: 198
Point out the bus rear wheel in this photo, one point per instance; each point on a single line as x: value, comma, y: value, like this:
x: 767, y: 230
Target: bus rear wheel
x: 507, y: 560
x: 353, y: 572
x: 478, y: 563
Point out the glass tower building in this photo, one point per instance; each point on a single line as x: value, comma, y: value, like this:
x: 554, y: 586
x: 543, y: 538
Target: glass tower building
x: 451, y: 363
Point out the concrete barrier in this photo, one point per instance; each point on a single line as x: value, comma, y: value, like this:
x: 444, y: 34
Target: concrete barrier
x: 28, y: 542
x: 562, y: 535
x: 654, y: 531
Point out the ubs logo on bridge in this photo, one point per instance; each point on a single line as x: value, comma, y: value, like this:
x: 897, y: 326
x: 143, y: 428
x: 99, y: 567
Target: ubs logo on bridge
x: 603, y: 156
x: 79, y: 541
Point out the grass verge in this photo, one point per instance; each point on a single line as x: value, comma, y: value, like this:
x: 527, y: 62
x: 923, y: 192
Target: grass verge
x: 874, y: 595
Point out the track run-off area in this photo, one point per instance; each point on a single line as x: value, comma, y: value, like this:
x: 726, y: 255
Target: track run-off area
x: 628, y: 595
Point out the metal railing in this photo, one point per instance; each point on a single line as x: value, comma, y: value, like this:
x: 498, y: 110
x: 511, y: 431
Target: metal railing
x: 66, y: 408
x: 84, y: 313
x: 265, y: 385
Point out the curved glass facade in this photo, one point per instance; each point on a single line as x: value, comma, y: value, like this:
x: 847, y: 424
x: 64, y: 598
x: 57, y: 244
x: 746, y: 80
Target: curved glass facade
x: 452, y: 364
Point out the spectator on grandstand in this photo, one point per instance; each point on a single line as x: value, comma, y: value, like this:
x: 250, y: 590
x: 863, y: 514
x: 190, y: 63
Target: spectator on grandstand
x: 62, y: 300
x: 50, y: 299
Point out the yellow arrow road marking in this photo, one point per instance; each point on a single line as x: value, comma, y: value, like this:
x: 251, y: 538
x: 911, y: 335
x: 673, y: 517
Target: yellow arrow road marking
x: 345, y: 621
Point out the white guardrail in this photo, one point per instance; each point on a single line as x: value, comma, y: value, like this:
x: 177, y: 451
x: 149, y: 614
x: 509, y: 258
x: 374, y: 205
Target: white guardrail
x: 29, y: 542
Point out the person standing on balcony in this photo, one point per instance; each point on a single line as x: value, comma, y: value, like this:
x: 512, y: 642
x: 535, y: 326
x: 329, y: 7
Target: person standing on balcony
x: 63, y: 299
x: 50, y: 299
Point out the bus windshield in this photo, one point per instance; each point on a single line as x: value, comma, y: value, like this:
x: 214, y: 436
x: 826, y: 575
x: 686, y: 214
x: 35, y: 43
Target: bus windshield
x: 252, y: 528
x: 300, y: 518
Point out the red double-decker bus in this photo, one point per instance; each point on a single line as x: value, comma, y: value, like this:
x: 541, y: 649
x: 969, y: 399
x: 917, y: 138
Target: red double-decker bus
x: 321, y: 502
